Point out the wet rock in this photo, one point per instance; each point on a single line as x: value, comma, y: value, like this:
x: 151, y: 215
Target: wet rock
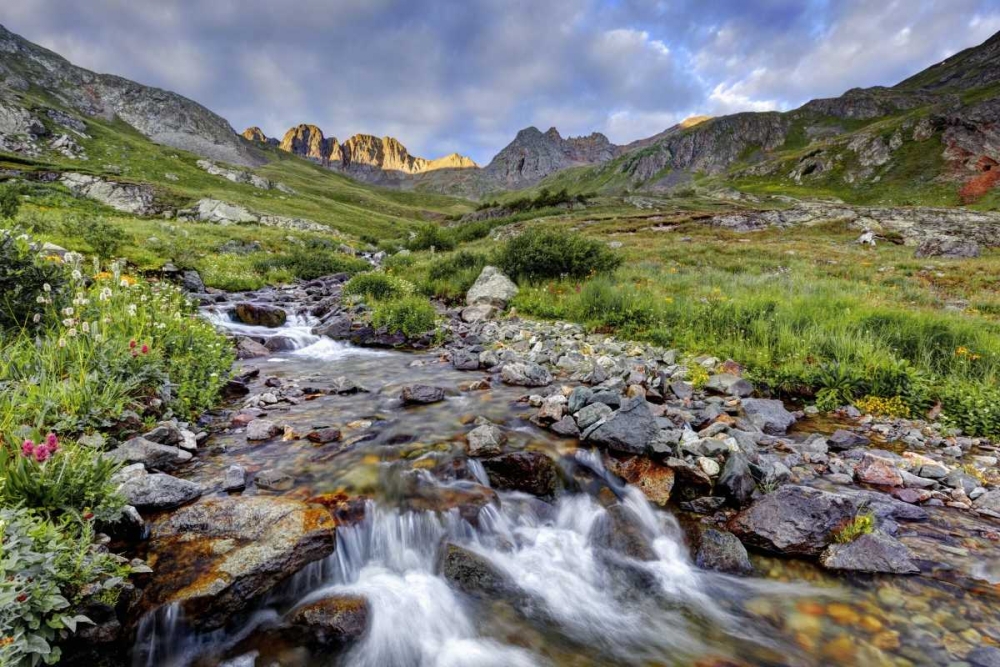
x: 655, y: 480
x: 486, y: 440
x: 150, y: 454
x: 280, y: 344
x: 474, y: 574
x: 704, y: 505
x: 530, y: 472
x: 768, y: 415
x: 984, y: 656
x: 261, y: 315
x: 322, y: 436
x: 722, y: 551
x: 152, y: 492
x: 873, y: 552
x: 878, y: 471
x: 566, y: 427
x: 235, y: 479
x: 331, y: 622
x: 337, y: 327
x: 988, y: 503
x: 221, y: 554
x: 729, y: 384
x: 630, y: 429
x: 620, y: 530
x: 795, y: 520
x: 492, y: 287
x: 478, y: 313
x: 465, y: 360
x: 421, y: 394
x: 166, y: 433
x: 591, y: 414
x: 343, y: 386
x: 523, y: 374
x: 262, y: 429
x: 842, y: 440
x: 690, y: 481
x: 735, y: 481
x: 274, y: 480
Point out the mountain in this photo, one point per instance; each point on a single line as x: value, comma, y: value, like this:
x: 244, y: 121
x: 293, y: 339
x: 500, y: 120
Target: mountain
x: 36, y: 85
x: 534, y: 155
x: 363, y: 156
x: 933, y: 138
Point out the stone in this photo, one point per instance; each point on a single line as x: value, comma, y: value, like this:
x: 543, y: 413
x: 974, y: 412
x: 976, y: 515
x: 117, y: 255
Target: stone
x: 248, y: 348
x: 655, y: 480
x: 842, y: 440
x: 486, y: 440
x: 948, y: 247
x: 681, y: 390
x: 591, y: 414
x: 274, y: 480
x: 988, y: 503
x: 528, y: 471
x: 523, y: 374
x: 150, y: 454
x: 474, y: 574
x: 629, y: 429
x: 492, y: 287
x: 735, y: 481
x: 336, y: 327
x: 619, y: 529
x: 578, y: 399
x: 690, y: 481
x: 729, y: 384
x: 878, y: 471
x: 721, y: 551
x: 709, y: 466
x: 322, y: 436
x: 262, y: 429
x: 191, y: 282
x: 154, y: 492
x: 218, y: 556
x: 566, y: 427
x: 768, y: 415
x: 479, y: 312
x: 166, y: 433
x: 125, y: 197
x: 332, y: 622
x: 261, y: 315
x: 465, y: 360
x: 235, y: 479
x: 873, y: 552
x: 552, y: 409
x: 984, y: 656
x: 794, y: 520
x: 421, y: 394
x: 704, y: 505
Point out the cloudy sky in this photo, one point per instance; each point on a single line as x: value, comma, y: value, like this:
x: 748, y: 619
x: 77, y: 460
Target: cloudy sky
x: 465, y: 75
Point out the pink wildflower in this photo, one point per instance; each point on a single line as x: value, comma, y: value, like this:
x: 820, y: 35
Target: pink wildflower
x: 145, y: 349
x: 52, y: 442
x: 132, y: 344
x: 41, y: 453
x: 28, y: 448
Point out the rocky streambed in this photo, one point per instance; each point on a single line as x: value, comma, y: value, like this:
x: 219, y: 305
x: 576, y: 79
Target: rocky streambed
x: 528, y: 494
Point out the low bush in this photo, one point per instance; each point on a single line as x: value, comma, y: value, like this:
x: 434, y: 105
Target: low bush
x: 10, y: 201
x: 26, y: 278
x: 602, y: 303
x: 411, y: 315
x: 542, y: 253
x: 312, y: 263
x: 104, y: 238
x: 430, y: 236
x: 378, y: 286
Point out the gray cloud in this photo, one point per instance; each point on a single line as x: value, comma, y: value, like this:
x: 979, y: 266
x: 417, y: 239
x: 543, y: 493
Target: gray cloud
x: 465, y: 75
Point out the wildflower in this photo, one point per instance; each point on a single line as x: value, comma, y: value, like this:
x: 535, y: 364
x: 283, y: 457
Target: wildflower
x: 22, y: 597
x: 88, y: 515
x: 28, y: 448
x: 132, y: 344
x: 62, y: 342
x: 37, y: 318
x: 131, y: 309
x: 41, y: 453
x: 145, y: 349
x: 47, y: 287
x: 103, y: 275
x: 68, y: 311
x: 40, y: 299
x: 52, y: 442
x: 105, y: 294
x: 85, y: 326
x: 77, y: 275
x: 72, y: 332
x: 68, y: 322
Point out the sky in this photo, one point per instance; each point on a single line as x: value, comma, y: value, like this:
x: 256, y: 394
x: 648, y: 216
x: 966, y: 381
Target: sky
x: 464, y: 76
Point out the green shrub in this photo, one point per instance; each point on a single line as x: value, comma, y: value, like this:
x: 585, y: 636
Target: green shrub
x: 861, y: 524
x: 974, y: 408
x: 309, y: 264
x: 104, y: 238
x: 45, y: 566
x: 378, y: 286
x: 10, y: 201
x: 432, y: 236
x: 541, y: 253
x: 606, y: 304
x: 411, y: 315
x: 401, y: 261
x: 27, y: 281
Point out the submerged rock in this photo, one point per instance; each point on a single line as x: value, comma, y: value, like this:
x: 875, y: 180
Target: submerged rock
x: 421, y: 394
x: 530, y: 472
x: 330, y: 622
x: 486, y: 440
x: 722, y: 551
x: 261, y: 315
x: 873, y: 552
x: 474, y: 574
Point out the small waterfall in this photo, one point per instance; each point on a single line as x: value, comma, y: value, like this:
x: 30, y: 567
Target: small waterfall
x: 162, y: 638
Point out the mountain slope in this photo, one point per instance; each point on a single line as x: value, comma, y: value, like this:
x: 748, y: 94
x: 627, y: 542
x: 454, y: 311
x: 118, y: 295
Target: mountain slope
x: 934, y: 138
x: 30, y: 75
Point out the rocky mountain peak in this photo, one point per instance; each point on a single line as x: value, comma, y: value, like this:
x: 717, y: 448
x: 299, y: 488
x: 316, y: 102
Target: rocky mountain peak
x: 533, y: 155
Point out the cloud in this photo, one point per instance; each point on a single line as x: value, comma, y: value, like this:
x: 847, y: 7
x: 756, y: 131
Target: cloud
x: 466, y: 76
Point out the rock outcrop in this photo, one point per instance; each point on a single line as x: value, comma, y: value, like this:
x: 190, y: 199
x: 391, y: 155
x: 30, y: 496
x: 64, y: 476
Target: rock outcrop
x: 533, y: 155
x: 134, y: 198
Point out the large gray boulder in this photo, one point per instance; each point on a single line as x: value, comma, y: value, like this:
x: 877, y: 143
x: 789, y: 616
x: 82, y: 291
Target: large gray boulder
x: 150, y: 454
x: 152, y: 492
x: 768, y: 415
x: 260, y: 314
x: 794, y: 520
x: 948, y: 247
x: 523, y: 374
x: 722, y: 551
x: 125, y: 197
x: 492, y: 288
x: 629, y: 429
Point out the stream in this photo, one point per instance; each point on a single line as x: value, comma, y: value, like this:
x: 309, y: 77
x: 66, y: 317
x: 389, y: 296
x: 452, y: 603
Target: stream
x: 578, y: 602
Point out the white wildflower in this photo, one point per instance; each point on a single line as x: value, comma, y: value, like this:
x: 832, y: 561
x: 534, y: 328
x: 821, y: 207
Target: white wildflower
x: 71, y: 333
x: 37, y: 318
x: 47, y: 287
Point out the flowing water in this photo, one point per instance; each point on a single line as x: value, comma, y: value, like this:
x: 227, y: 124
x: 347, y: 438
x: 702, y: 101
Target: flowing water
x: 579, y: 604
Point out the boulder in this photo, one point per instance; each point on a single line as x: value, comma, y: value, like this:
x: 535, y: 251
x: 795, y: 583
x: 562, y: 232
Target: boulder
x: 465, y: 360
x: 486, y: 440
x: 794, y: 520
x: 874, y: 552
x: 478, y: 313
x: 768, y: 415
x: 191, y: 282
x: 629, y: 429
x: 722, y: 551
x: 729, y: 384
x: 655, y: 480
x: 262, y: 429
x: 150, y: 454
x: 523, y: 374
x: 421, y: 394
x: 735, y: 481
x: 988, y: 503
x: 842, y: 440
x: 530, y: 472
x: 125, y: 197
x: 690, y: 481
x: 876, y: 470
x: 153, y: 492
x: 492, y: 288
x: 566, y: 427
x: 619, y: 529
x: 332, y: 622
x: 336, y: 327
x: 589, y: 415
x: 248, y: 348
x: 218, y: 556
x: 474, y: 574
x: 948, y: 247
x: 235, y: 479
x: 261, y: 315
